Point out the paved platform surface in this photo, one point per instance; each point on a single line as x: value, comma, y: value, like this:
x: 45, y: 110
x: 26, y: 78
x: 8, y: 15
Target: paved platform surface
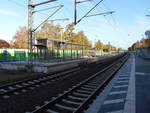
x: 128, y: 92
x: 142, y: 76
x: 119, y: 95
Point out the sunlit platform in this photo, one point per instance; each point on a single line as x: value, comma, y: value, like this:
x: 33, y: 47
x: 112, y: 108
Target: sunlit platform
x: 119, y: 95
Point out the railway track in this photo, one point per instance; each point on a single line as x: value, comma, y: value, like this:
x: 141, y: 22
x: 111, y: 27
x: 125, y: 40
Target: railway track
x: 29, y: 83
x: 76, y: 99
x: 14, y: 88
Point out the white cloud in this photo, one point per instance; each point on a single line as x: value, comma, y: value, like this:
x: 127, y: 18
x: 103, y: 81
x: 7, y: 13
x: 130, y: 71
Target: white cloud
x: 6, y: 36
x: 9, y: 13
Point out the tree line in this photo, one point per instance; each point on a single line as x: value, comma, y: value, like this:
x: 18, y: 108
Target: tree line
x: 143, y: 43
x: 105, y: 47
x: 52, y: 31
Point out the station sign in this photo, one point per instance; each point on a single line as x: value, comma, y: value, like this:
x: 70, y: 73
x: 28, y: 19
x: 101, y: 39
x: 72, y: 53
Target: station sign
x: 147, y: 33
x: 62, y: 43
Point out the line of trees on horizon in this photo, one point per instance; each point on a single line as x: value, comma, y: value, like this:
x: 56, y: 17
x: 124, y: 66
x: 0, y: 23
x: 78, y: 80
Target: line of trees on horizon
x: 143, y: 43
x: 52, y: 31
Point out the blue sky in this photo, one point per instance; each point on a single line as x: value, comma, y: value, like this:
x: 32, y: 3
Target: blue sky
x: 123, y: 28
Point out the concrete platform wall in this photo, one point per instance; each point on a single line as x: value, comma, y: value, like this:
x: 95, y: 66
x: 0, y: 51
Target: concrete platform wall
x: 42, y: 67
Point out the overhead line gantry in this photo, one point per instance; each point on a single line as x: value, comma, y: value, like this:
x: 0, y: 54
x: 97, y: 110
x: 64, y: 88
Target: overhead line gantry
x: 76, y: 21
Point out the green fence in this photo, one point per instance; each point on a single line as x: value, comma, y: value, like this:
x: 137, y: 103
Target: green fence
x: 17, y: 54
x: 22, y: 54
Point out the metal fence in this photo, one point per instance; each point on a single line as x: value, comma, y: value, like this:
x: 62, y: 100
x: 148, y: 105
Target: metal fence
x: 8, y: 55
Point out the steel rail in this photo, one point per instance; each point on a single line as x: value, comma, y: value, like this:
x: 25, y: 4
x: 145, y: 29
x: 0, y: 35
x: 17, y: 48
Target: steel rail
x: 55, y: 103
x: 84, y: 105
x: 47, y: 75
x: 5, y: 88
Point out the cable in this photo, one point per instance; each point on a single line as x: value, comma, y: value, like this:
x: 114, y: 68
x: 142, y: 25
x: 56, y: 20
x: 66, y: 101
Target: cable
x: 89, y: 11
x: 46, y: 9
x: 115, y: 20
x: 66, y: 13
x: 114, y: 28
x: 23, y: 6
x: 111, y: 15
x: 49, y: 17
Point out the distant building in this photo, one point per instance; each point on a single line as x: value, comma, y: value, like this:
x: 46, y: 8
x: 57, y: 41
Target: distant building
x: 48, y: 48
x: 49, y: 43
x: 4, y: 44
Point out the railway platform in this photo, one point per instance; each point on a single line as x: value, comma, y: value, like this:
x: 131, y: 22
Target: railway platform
x: 48, y: 66
x: 119, y: 95
x: 40, y: 66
